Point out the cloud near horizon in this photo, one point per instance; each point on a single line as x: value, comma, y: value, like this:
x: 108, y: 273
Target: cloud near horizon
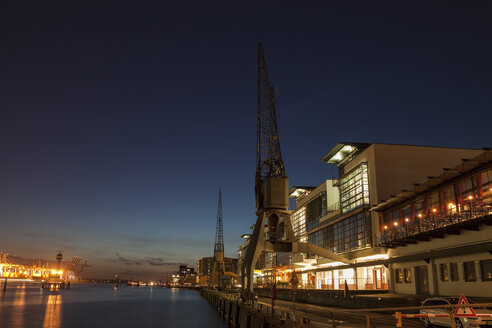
x: 154, y: 261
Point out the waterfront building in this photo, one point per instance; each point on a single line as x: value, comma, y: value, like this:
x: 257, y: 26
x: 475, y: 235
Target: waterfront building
x: 184, y: 270
x: 175, y: 280
x: 185, y: 276
x: 337, y: 214
x: 439, y: 235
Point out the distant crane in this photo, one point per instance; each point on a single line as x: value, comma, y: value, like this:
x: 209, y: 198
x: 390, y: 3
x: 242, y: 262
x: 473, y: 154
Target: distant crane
x: 271, y: 188
x: 219, y: 266
x: 72, y: 266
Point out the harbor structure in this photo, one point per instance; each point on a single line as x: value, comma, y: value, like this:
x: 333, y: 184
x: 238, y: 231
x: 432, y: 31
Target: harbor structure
x: 185, y: 276
x: 15, y: 267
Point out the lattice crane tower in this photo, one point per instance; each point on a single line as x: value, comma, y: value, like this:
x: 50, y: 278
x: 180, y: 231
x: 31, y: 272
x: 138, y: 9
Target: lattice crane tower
x: 271, y: 188
x: 219, y: 267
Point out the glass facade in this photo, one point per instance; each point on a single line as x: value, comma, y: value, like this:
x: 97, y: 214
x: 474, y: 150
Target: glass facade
x: 299, y: 222
x: 354, y: 189
x: 371, y: 277
x: 349, y: 234
x: 352, y: 233
x: 315, y: 210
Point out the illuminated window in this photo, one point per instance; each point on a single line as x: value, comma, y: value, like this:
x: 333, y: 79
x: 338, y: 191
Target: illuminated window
x: 399, y: 276
x: 443, y: 269
x: 299, y: 222
x: 315, y: 210
x: 407, y: 273
x: 469, y: 271
x: 354, y: 189
x: 486, y: 269
x: 352, y: 233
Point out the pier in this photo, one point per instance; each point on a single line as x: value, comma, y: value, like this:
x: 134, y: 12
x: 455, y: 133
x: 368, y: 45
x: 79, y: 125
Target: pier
x: 240, y: 313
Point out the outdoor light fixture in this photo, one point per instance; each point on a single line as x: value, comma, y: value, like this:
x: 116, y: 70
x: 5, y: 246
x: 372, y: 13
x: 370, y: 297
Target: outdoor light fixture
x: 385, y: 227
x: 434, y: 210
x: 395, y: 224
x: 470, y: 197
x: 406, y: 220
x: 420, y: 215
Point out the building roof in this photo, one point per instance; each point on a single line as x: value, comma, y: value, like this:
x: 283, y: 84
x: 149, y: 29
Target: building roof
x: 448, y: 174
x: 343, y: 149
x: 296, y: 191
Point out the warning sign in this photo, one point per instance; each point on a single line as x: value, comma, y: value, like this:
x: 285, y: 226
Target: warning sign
x: 464, y: 311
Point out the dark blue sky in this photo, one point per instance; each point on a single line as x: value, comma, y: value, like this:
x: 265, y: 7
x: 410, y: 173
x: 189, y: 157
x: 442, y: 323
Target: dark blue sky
x: 120, y: 121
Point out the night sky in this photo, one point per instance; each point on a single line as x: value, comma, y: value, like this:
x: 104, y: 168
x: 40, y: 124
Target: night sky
x: 120, y: 121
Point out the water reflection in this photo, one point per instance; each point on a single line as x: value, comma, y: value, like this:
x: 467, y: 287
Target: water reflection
x: 52, y: 314
x: 85, y: 306
x: 18, y: 314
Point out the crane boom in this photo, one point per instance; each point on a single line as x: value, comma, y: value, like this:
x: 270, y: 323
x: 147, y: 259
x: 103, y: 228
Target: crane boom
x: 269, y: 161
x: 268, y: 154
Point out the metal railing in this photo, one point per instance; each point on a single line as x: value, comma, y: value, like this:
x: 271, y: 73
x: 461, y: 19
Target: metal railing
x: 431, y: 222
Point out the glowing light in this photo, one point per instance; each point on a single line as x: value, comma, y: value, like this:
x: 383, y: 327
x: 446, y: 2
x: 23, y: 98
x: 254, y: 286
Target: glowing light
x: 407, y: 220
x: 385, y: 227
x: 373, y: 257
x: 331, y: 264
x: 434, y: 210
x: 337, y: 157
x: 470, y: 197
x: 395, y: 224
x: 348, y: 273
x: 347, y: 148
x: 420, y: 215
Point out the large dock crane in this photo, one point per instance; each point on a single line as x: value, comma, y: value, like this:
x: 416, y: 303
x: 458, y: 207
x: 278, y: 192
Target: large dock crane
x: 271, y: 188
x: 219, y: 266
x: 220, y: 276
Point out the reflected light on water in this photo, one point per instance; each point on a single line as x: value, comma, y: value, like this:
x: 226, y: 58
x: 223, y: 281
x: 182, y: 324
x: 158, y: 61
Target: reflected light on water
x: 20, y: 302
x: 52, y: 315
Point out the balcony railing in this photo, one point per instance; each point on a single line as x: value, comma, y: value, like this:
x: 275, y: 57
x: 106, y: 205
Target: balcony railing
x: 433, y: 223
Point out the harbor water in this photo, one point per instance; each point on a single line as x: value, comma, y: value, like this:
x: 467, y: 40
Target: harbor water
x: 92, y: 306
